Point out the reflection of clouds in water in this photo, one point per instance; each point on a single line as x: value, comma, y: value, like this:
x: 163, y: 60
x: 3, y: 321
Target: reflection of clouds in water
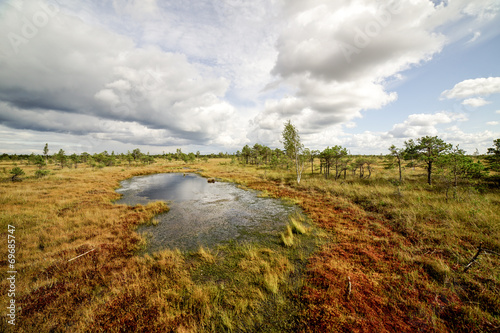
x: 206, y: 214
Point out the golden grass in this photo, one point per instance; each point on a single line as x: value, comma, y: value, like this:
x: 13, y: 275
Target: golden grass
x: 296, y: 224
x: 287, y: 237
x: 112, y: 288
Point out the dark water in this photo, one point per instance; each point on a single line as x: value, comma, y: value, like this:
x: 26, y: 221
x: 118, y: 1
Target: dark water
x: 205, y: 214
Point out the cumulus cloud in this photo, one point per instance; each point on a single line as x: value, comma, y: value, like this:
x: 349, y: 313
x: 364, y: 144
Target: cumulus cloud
x: 473, y: 87
x: 492, y: 123
x: 423, y: 124
x: 204, y: 72
x: 336, y: 57
x: 476, y: 102
x: 347, y: 40
x: 69, y: 76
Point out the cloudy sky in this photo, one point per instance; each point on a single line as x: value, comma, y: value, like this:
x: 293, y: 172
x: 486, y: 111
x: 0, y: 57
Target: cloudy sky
x: 214, y: 75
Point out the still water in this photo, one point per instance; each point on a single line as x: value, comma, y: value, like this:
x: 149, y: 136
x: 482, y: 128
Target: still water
x: 205, y: 214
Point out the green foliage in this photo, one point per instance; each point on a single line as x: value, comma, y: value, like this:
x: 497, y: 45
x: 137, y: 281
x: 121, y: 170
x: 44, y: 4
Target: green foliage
x: 427, y: 149
x: 104, y: 159
x: 459, y: 167
x: 16, y: 172
x: 335, y: 156
x: 293, y: 147
x: 493, y: 157
x: 136, y: 154
x: 41, y: 173
x: 38, y: 161
x: 399, y: 154
x: 46, y: 150
x: 61, y: 158
x: 75, y: 159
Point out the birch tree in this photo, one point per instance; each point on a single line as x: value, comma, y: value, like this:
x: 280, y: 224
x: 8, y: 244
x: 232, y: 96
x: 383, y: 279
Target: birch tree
x: 293, y: 147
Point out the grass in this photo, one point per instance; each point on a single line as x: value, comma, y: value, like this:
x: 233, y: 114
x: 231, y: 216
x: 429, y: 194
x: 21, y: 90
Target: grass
x: 403, y: 247
x: 287, y: 237
x: 296, y: 224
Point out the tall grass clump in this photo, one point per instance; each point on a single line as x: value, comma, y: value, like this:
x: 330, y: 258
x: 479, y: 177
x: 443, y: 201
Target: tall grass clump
x: 296, y: 224
x: 287, y: 238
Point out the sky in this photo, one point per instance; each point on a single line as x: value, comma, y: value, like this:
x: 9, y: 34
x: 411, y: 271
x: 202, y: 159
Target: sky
x: 215, y: 75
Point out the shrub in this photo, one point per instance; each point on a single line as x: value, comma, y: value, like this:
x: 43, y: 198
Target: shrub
x: 41, y: 173
x: 16, y: 172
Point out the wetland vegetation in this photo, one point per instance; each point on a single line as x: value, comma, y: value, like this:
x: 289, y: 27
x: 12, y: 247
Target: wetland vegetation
x: 387, y: 254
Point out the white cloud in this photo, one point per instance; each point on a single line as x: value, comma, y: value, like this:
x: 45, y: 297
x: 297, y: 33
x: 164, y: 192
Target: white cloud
x: 492, y: 123
x: 476, y: 36
x: 476, y: 102
x: 138, y: 9
x: 197, y: 72
x: 418, y: 125
x: 336, y: 57
x: 484, y: 10
x: 378, y: 36
x: 71, y: 75
x: 473, y: 87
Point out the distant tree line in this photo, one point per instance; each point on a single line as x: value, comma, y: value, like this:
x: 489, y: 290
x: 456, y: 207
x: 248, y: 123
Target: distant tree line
x: 431, y: 152
x: 96, y: 160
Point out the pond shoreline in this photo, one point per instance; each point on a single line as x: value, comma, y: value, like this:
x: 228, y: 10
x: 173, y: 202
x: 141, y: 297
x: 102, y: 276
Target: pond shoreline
x: 203, y: 213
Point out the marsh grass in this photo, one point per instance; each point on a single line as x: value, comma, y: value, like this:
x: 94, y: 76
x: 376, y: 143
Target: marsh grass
x: 287, y: 237
x: 402, y: 245
x: 296, y: 222
x: 118, y: 286
x: 407, y: 244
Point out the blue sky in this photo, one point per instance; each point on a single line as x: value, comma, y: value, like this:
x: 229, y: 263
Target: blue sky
x: 214, y: 75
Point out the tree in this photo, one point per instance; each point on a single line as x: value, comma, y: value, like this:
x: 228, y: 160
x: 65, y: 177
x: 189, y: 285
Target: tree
x: 326, y: 160
x: 312, y: 155
x: 39, y: 161
x: 129, y: 157
x: 493, y: 157
x: 84, y: 157
x: 462, y: 166
x: 411, y: 152
x: 429, y: 149
x: 46, y: 152
x: 16, y: 172
x: 333, y: 156
x: 61, y: 157
x: 338, y: 154
x: 246, y: 152
x: 399, y: 154
x: 136, y: 154
x: 293, y: 147
x: 75, y: 159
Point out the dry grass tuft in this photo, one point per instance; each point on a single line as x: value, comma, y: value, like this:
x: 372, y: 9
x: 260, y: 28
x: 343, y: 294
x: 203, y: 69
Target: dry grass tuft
x: 287, y: 238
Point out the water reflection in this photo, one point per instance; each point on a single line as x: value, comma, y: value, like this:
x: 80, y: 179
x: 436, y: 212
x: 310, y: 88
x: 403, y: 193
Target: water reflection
x: 205, y: 214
